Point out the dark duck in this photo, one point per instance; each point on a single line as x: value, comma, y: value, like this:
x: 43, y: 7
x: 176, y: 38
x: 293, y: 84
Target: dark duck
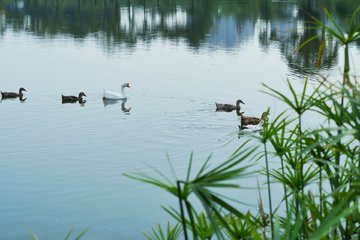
x: 13, y: 94
x: 253, y: 120
x: 226, y: 107
x: 73, y: 98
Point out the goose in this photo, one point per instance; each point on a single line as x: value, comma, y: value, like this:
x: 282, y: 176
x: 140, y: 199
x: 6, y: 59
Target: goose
x: 228, y: 107
x: 73, y: 98
x: 113, y: 95
x: 252, y: 128
x: 252, y: 120
x: 13, y: 94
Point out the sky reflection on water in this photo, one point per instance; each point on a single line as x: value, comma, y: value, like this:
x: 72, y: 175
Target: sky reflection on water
x: 61, y: 164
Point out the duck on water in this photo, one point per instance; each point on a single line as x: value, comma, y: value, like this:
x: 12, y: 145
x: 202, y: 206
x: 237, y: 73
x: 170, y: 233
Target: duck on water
x: 72, y: 99
x: 13, y: 94
x: 226, y: 107
x: 245, y: 120
x: 252, y: 128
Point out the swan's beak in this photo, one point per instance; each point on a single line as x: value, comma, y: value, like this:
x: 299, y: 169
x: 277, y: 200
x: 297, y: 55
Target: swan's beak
x: 128, y: 85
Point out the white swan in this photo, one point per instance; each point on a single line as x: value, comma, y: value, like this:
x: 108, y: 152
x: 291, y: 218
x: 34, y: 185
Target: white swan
x: 115, y: 96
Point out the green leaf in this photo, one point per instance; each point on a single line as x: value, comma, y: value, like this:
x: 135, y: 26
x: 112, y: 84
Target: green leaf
x: 82, y: 234
x: 68, y: 235
x: 33, y: 236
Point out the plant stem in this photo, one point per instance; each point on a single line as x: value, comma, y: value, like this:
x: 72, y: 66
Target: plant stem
x: 347, y: 66
x: 181, y: 209
x: 283, y: 173
x: 345, y: 78
x: 301, y: 158
x: 188, y: 207
x: 302, y: 168
x: 320, y: 191
x: 269, y: 191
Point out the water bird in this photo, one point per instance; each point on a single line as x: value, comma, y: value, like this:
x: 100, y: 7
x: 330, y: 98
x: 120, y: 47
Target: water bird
x: 252, y: 120
x: 229, y: 107
x: 73, y: 98
x: 115, y: 96
x: 252, y: 128
x: 13, y: 94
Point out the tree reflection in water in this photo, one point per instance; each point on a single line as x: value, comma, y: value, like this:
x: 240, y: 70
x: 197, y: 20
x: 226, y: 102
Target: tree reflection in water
x: 211, y: 24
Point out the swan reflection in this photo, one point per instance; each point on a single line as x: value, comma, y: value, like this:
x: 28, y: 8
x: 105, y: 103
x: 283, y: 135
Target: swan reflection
x: 111, y: 102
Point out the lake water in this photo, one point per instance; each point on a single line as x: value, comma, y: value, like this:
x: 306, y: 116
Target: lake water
x: 61, y: 164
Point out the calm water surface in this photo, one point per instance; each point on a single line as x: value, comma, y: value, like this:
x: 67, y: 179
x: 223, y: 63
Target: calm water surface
x: 61, y: 164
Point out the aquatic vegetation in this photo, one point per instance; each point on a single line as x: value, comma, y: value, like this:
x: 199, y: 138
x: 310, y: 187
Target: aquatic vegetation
x: 158, y: 233
x: 34, y: 237
x: 325, y: 155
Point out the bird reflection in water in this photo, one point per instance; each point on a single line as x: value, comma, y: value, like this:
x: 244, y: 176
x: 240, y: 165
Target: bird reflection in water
x: 246, y: 129
x: 226, y: 110
x: 73, y: 99
x: 81, y: 102
x: 243, y: 134
x: 21, y: 99
x: 13, y: 95
x: 123, y: 108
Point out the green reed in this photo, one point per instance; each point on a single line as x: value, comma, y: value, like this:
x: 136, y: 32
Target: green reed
x: 328, y: 155
x: 34, y: 237
x: 159, y: 234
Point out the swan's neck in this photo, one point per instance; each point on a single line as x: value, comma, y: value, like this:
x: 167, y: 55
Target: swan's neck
x: 238, y: 105
x: 122, y: 90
